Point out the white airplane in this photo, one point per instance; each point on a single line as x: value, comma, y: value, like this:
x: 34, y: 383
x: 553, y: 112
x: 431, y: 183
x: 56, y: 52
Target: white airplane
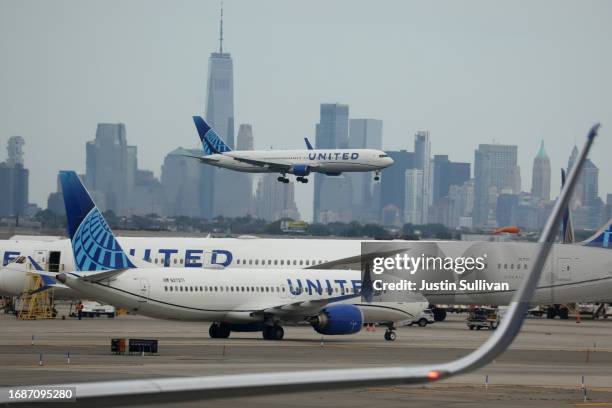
x: 156, y: 390
x: 301, y: 163
x: 250, y: 299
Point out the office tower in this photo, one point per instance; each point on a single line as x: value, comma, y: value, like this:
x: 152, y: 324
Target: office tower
x: 608, y: 213
x: 332, y: 133
x: 107, y: 159
x: 506, y: 211
x: 446, y: 174
x: 245, y: 137
x: 540, y: 184
x: 393, y: 187
x: 14, y: 180
x: 422, y: 161
x: 364, y: 134
x: 495, y: 169
x: 181, y: 180
x: 462, y: 197
x: 413, y: 207
x: 274, y: 200
x: 232, y: 190
x: 220, y: 92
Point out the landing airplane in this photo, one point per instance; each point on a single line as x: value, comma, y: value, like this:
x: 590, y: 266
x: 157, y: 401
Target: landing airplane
x: 159, y: 390
x: 249, y: 299
x: 301, y: 163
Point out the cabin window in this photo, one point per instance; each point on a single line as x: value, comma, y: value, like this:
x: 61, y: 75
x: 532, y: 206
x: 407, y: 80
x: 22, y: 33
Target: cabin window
x: 237, y: 261
x: 250, y: 262
x: 165, y: 288
x: 252, y: 289
x: 525, y: 266
x: 282, y: 289
x: 294, y: 262
x: 201, y: 289
x: 505, y: 266
x: 181, y: 260
x: 282, y: 261
x: 275, y: 262
x: 267, y: 289
x: 307, y: 262
x: 269, y: 262
x: 301, y: 262
x: 155, y: 260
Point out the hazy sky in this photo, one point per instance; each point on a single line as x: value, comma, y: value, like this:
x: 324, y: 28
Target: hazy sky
x: 469, y: 71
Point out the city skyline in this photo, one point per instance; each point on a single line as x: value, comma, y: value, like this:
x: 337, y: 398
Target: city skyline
x: 159, y: 81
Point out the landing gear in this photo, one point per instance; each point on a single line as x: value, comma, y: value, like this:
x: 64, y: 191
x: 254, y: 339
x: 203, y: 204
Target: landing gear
x: 390, y: 334
x: 273, y: 332
x: 219, y: 331
x: 283, y: 179
x: 302, y: 179
x: 377, y: 175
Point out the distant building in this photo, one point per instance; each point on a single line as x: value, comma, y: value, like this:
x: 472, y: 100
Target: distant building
x: 446, y: 174
x: 588, y: 208
x: 274, y: 200
x: 540, y: 185
x: 495, y: 170
x: 332, y: 132
x: 413, y: 202
x: 422, y: 161
x: 14, y: 180
x: 393, y: 185
x: 506, y: 211
x: 107, y: 160
x: 365, y: 134
x: 463, y: 204
x: 181, y: 183
x: 245, y: 137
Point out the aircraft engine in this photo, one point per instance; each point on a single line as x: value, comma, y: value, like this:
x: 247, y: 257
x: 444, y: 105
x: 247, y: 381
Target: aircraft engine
x: 338, y: 319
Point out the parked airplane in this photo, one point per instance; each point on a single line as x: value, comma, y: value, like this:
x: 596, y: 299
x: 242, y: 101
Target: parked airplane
x: 250, y: 299
x: 301, y: 163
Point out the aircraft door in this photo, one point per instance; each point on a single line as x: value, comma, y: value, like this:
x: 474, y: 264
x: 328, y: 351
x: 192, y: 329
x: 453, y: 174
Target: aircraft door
x: 40, y: 256
x: 564, y: 269
x: 54, y: 264
x: 143, y: 291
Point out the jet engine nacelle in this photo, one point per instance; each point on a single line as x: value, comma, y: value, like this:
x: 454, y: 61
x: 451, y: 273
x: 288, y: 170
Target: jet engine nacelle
x: 300, y: 169
x: 338, y: 319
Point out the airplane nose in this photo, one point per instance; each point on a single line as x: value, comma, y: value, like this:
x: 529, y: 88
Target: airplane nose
x: 388, y: 161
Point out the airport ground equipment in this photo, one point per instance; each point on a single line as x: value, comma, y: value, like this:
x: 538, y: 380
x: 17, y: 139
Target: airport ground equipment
x: 483, y: 318
x: 159, y: 390
x: 35, y: 303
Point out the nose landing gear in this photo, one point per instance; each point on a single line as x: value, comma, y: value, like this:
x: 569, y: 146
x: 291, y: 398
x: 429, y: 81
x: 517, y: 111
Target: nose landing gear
x: 377, y: 175
x: 390, y: 334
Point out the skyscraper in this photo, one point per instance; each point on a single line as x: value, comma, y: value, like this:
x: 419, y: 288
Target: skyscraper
x: 14, y: 180
x: 332, y: 133
x: 364, y: 134
x: 181, y: 180
x: 107, y: 159
x: 422, y: 161
x: 495, y: 171
x: 540, y: 184
x: 220, y: 95
x: 232, y: 190
x: 245, y: 137
x: 446, y: 174
x: 413, y: 207
x: 274, y: 200
x: 393, y: 186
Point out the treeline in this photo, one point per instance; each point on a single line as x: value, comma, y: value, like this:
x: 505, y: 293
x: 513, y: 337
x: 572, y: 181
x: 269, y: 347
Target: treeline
x: 224, y: 226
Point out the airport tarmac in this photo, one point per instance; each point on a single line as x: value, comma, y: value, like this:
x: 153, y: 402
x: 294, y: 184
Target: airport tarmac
x: 542, y: 368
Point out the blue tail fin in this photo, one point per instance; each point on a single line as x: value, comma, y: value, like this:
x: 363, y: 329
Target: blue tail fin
x: 308, y: 145
x: 211, y: 142
x: 602, y: 238
x: 93, y: 245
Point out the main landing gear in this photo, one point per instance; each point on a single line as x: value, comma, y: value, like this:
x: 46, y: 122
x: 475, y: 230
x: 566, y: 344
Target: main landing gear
x: 273, y: 332
x: 219, y: 331
x: 390, y: 334
x: 283, y: 179
x: 302, y: 179
x: 377, y: 175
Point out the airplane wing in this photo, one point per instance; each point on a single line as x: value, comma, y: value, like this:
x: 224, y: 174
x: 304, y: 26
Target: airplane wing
x: 305, y: 308
x: 203, y: 159
x: 158, y: 390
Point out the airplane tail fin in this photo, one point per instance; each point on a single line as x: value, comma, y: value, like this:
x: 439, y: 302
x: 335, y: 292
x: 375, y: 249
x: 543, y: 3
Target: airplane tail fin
x: 602, y: 238
x: 94, y: 246
x: 308, y: 145
x: 211, y: 142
